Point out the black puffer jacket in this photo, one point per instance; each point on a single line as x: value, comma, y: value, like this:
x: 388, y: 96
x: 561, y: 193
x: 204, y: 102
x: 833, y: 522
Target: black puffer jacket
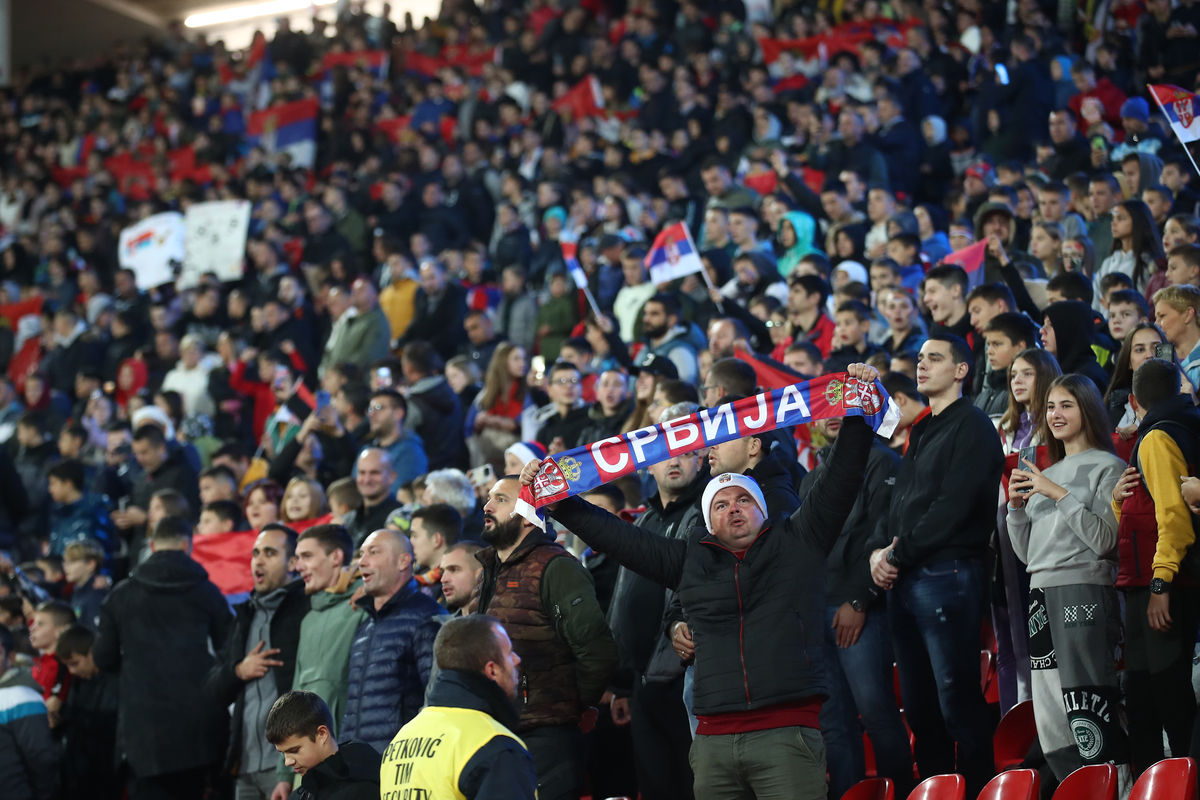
x: 352, y: 773
x: 849, y: 573
x: 439, y: 412
x: 155, y: 629
x: 757, y: 621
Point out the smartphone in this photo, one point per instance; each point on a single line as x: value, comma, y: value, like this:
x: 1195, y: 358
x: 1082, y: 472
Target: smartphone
x: 322, y: 400
x: 1002, y: 74
x: 383, y: 376
x: 539, y: 367
x: 122, y: 504
x: 482, y: 476
x: 1026, y: 454
x: 1099, y: 143
x: 1165, y: 351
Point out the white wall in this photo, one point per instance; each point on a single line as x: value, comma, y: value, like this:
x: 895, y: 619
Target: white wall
x: 237, y: 35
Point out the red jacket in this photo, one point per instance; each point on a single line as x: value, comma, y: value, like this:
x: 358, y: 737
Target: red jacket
x: 52, y: 676
x: 1102, y: 103
x: 260, y: 392
x: 821, y: 334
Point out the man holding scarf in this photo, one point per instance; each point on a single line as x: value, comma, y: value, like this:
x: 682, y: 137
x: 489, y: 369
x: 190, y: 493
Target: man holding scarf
x: 753, y: 589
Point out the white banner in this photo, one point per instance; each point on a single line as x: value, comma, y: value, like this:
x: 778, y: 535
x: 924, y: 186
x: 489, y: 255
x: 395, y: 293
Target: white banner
x: 215, y: 242
x: 149, y: 248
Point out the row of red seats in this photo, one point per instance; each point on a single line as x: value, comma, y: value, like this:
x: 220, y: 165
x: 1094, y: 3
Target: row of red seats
x: 1171, y: 779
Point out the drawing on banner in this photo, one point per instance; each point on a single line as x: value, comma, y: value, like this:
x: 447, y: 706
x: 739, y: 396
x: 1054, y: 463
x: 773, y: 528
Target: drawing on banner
x: 153, y: 248
x: 215, y: 241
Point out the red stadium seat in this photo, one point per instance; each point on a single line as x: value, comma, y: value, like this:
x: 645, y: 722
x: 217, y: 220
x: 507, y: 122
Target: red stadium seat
x: 1014, y: 736
x: 1018, y: 784
x: 1097, y: 782
x: 941, y: 787
x: 1171, y: 779
x: 872, y: 789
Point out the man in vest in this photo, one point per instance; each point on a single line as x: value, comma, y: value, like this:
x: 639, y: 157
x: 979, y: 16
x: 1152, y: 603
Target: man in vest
x: 752, y: 588
x: 547, y: 603
x: 1156, y: 567
x: 462, y: 743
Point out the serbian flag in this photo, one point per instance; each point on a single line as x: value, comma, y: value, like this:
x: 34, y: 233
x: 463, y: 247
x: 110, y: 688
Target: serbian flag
x: 769, y: 373
x: 584, y: 468
x: 1179, y: 107
x: 289, y: 128
x: 971, y: 260
x: 226, y: 558
x: 568, y: 242
x: 673, y: 255
x: 584, y: 99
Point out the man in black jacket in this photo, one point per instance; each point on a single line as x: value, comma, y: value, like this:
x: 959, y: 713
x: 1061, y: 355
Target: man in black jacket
x: 858, y: 643
x: 930, y: 556
x: 564, y: 385
x: 163, y: 467
x: 439, y: 311
x: 752, y: 588
x: 155, y: 630
x: 434, y: 409
x: 301, y: 727
x: 257, y: 663
x: 1072, y: 152
x: 654, y: 706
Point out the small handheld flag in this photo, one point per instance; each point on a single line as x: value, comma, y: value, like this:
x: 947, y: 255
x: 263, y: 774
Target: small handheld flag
x: 971, y: 260
x: 1179, y: 107
x: 568, y: 242
x: 673, y: 255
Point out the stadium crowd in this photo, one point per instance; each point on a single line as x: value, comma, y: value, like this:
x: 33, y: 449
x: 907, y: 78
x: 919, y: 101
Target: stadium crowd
x: 259, y: 537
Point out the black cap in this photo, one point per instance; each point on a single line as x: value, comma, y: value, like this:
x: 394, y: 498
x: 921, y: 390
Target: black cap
x: 658, y: 365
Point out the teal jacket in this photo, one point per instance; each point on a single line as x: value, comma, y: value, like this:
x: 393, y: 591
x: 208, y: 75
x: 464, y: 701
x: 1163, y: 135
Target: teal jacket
x: 323, y: 656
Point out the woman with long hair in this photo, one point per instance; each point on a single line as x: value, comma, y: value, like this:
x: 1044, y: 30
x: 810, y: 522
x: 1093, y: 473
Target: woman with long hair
x: 493, y: 422
x: 1061, y: 524
x: 303, y: 504
x: 1180, y: 229
x: 1135, y: 350
x: 1029, y: 380
x: 1045, y: 244
x: 1079, y: 255
x: 643, y: 395
x: 1137, y: 249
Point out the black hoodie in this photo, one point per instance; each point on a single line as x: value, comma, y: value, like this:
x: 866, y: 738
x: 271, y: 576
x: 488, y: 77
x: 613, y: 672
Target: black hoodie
x: 1073, y: 326
x: 155, y: 629
x: 352, y: 773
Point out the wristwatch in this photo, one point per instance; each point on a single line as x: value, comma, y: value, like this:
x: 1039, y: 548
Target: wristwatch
x: 1159, y: 586
x: 891, y: 557
x: 858, y: 605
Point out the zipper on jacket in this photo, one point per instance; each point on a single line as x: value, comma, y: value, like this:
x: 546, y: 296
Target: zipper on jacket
x: 524, y: 689
x: 737, y: 583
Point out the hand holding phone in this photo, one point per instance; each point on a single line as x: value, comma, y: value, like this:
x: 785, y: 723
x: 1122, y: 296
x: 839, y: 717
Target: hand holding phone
x: 1166, y: 352
x: 1025, y: 454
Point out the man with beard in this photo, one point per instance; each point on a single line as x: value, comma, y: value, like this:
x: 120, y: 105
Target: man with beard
x: 667, y: 334
x: 546, y: 601
x: 653, y: 705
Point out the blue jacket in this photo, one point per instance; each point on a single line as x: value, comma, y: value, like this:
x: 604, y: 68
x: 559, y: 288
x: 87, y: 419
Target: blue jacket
x: 390, y: 662
x: 86, y: 518
x: 408, y: 459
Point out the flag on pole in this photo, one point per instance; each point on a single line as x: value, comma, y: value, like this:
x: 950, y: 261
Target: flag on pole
x: 584, y: 99
x: 1179, y: 106
x: 971, y: 260
x: 584, y: 468
x: 568, y: 242
x: 673, y: 255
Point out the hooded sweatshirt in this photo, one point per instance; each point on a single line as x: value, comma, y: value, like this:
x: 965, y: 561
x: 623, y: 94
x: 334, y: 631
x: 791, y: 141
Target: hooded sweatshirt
x: 805, y: 227
x: 1072, y: 541
x: 1073, y: 324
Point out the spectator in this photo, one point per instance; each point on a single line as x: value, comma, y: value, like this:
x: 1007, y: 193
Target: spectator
x: 557, y: 316
x: 76, y: 516
x: 82, y: 562
x: 1154, y: 529
x: 668, y: 335
x: 1005, y: 336
x: 219, y: 516
x: 155, y: 631
x: 258, y: 661
x: 88, y: 720
x: 478, y: 679
x: 246, y: 469
x: 49, y: 619
x: 441, y: 307
x: 75, y: 349
x: 301, y: 727
x: 322, y: 664
x: 434, y: 529
x: 559, y: 429
x: 374, y: 477
x: 460, y: 575
x: 29, y: 757
x: 481, y: 338
x: 1067, y: 335
x: 492, y: 423
x: 1176, y: 309
x: 262, y: 502
x: 1062, y: 531
x: 388, y: 432
x: 516, y: 316
x: 392, y: 651
x: 1126, y: 309
x: 1104, y: 192
x: 525, y: 575
x: 944, y: 495
x: 1098, y: 100
x: 1183, y: 265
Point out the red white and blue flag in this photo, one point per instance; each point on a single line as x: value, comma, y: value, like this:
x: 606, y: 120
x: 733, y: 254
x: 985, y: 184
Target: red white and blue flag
x: 673, y: 255
x: 971, y: 260
x: 374, y: 62
x: 584, y: 468
x: 568, y: 242
x: 1180, y: 108
x: 289, y: 128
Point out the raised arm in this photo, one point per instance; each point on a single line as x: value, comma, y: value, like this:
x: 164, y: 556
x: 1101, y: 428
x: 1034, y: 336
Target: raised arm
x: 831, y: 497
x: 654, y: 557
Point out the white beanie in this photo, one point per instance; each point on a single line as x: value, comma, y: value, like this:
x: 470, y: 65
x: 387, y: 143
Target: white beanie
x: 724, y: 481
x: 155, y: 416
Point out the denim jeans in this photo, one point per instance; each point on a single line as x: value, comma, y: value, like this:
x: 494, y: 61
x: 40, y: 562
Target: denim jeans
x: 937, y: 614
x: 860, y: 686
x: 689, y: 680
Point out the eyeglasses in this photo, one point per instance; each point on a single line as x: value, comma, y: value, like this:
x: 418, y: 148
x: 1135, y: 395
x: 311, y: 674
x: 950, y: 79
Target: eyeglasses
x: 565, y: 381
x: 377, y: 407
x: 773, y: 324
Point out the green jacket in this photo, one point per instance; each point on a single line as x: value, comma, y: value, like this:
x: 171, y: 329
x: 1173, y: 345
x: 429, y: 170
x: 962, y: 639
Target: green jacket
x: 366, y: 339
x: 323, y: 656
x: 560, y: 314
x: 354, y: 228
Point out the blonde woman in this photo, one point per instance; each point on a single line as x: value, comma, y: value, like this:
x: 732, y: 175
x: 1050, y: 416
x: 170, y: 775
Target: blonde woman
x: 303, y: 504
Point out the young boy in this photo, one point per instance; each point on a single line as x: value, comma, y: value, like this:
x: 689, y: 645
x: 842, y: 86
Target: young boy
x: 1126, y: 308
x: 905, y: 250
x: 1053, y: 201
x: 82, y: 562
x: 88, y: 720
x: 218, y: 483
x: 1069, y: 286
x: 852, y: 323
x: 343, y: 498
x: 76, y: 515
x: 49, y: 620
x: 1005, y: 336
x: 301, y: 728
x: 1113, y: 282
x: 1183, y: 265
x: 219, y: 516
x: 805, y: 358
